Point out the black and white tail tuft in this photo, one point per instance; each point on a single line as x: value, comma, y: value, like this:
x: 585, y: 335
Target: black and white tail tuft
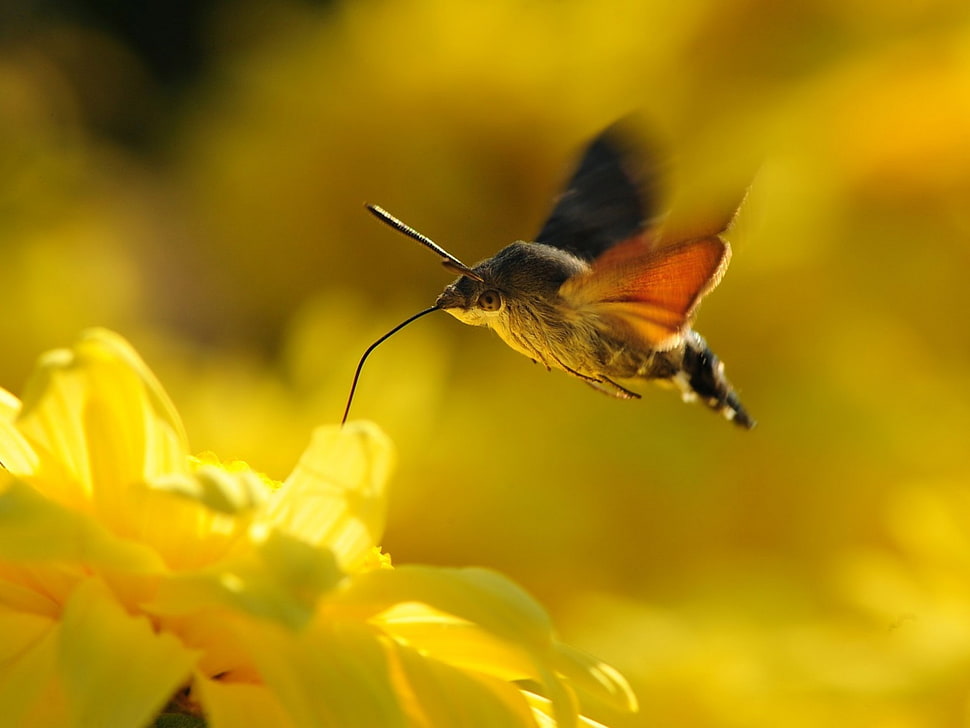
x: 702, y: 377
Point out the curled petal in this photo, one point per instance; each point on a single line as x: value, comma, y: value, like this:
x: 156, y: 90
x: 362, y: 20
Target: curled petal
x: 442, y: 695
x: 480, y: 596
x: 335, y: 496
x: 592, y: 676
x: 456, y: 641
x: 99, y: 420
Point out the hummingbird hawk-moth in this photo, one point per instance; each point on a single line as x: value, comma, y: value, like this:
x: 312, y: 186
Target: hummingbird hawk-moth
x: 604, y: 292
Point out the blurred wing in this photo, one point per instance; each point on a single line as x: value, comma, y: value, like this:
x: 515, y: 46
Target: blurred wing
x: 609, y: 198
x: 650, y: 293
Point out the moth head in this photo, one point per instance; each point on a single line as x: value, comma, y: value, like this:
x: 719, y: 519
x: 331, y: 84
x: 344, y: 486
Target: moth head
x: 472, y: 301
x: 519, y: 275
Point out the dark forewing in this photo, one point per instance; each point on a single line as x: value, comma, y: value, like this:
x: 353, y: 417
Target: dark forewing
x: 610, y: 197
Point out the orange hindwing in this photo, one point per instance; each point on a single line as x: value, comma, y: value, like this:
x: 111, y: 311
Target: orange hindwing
x: 650, y: 292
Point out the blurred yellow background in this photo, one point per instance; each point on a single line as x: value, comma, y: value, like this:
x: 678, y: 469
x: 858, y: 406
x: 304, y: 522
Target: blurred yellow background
x: 192, y: 175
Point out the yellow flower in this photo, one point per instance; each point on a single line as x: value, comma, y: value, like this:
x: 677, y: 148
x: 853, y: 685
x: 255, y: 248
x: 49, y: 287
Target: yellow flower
x: 136, y: 580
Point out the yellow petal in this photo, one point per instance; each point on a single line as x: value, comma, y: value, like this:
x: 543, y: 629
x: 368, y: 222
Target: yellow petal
x: 595, y: 677
x: 29, y: 690
x: 25, y: 588
x: 279, y: 579
x: 336, y: 495
x: 544, y: 714
x: 33, y: 528
x: 9, y: 405
x: 210, y: 632
x: 565, y: 705
x: 117, y: 670
x: 234, y: 704
x: 16, y: 454
x: 194, y: 519
x: 98, y: 416
x: 456, y: 641
x: 332, y: 675
x: 166, y: 446
x: 442, y: 695
x: 222, y: 490
x: 468, y: 646
x: 477, y: 595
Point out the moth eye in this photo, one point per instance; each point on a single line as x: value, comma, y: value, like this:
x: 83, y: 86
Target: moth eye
x: 490, y: 300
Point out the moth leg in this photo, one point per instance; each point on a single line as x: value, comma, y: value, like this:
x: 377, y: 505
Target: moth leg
x: 601, y: 384
x: 611, y: 388
x: 619, y: 391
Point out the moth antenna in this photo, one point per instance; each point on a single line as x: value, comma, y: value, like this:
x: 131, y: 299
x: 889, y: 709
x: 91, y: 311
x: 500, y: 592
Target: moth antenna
x: 449, y: 261
x: 360, y: 364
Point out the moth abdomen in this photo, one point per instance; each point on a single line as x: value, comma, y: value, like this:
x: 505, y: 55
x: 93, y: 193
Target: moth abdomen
x: 704, y: 374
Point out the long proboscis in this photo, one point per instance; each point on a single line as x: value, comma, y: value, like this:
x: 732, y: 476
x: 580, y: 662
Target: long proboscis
x: 360, y: 364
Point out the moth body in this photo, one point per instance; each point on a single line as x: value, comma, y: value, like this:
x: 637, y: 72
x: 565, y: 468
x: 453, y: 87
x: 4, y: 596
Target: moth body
x: 519, y: 295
